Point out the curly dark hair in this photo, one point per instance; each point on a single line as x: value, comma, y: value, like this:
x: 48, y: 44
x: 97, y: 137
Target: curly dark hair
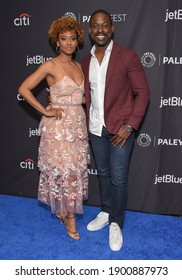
x: 63, y: 24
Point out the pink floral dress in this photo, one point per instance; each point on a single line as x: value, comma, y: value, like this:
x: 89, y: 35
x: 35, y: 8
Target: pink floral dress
x: 64, y: 151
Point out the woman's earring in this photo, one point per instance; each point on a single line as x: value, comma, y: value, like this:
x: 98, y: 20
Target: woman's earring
x: 77, y: 49
x: 58, y: 49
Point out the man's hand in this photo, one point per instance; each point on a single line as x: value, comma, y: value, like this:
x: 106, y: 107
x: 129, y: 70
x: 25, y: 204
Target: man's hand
x: 121, y: 136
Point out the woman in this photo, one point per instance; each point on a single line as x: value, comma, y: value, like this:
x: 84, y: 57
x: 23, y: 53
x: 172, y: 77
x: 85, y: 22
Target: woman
x: 63, y: 149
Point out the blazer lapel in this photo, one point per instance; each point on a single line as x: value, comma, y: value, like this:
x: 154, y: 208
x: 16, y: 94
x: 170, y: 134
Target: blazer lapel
x: 112, y: 63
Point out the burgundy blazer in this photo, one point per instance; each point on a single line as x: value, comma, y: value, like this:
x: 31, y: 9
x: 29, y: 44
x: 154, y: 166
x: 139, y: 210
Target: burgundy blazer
x: 126, y: 91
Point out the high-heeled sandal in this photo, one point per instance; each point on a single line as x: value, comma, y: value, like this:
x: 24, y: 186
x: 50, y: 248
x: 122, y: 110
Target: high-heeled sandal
x: 75, y: 235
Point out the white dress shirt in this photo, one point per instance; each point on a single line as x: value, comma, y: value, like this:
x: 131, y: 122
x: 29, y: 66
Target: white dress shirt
x: 97, y: 80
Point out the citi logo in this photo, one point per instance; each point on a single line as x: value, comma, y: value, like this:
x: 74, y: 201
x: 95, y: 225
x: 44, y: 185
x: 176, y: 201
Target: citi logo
x: 22, y: 20
x: 20, y: 98
x: 27, y: 164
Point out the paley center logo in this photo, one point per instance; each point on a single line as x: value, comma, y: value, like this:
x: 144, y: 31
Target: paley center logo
x: 173, y: 15
x: 22, y: 20
x: 144, y: 140
x: 27, y: 164
x: 148, y: 59
x: 70, y: 14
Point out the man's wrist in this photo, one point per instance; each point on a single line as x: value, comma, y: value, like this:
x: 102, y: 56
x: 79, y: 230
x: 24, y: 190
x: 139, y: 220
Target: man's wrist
x: 128, y: 128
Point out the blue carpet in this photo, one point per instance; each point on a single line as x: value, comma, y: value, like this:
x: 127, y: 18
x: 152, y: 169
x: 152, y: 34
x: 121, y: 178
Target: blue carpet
x: 28, y: 231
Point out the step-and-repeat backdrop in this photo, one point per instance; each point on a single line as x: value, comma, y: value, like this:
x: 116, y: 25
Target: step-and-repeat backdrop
x: 153, y: 29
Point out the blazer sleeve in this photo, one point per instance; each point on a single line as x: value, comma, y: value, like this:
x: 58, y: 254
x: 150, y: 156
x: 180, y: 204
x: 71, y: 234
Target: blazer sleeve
x: 140, y: 88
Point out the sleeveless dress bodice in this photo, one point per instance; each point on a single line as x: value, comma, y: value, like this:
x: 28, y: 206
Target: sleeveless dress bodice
x: 67, y: 92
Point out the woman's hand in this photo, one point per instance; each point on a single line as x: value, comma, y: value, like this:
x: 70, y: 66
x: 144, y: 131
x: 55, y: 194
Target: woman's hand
x: 54, y: 112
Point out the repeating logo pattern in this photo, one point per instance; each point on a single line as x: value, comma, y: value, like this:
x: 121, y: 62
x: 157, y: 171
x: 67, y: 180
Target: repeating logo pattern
x: 160, y: 65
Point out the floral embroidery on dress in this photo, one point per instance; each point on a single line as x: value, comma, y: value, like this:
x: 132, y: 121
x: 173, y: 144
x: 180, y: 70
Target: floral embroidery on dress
x: 64, y: 151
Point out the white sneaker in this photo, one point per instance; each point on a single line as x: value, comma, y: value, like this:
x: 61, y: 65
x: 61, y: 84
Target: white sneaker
x: 99, y: 222
x: 115, y: 237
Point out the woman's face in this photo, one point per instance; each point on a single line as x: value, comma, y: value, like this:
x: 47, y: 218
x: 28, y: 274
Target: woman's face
x: 67, y: 41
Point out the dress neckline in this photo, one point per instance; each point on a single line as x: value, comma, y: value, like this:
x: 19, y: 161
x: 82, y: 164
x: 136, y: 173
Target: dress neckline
x: 66, y: 76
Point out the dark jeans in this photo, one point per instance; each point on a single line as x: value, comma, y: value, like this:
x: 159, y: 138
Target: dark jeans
x: 112, y: 166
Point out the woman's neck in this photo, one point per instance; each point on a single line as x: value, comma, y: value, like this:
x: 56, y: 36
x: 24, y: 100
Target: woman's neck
x: 65, y: 59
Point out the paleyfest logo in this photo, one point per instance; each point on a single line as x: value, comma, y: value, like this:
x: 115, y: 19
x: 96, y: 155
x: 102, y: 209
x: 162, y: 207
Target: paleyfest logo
x: 115, y: 17
x: 22, y: 20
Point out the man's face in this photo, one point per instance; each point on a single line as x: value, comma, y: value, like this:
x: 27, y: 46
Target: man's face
x: 101, y: 30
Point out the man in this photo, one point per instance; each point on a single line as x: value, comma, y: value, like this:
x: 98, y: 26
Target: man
x: 117, y: 97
